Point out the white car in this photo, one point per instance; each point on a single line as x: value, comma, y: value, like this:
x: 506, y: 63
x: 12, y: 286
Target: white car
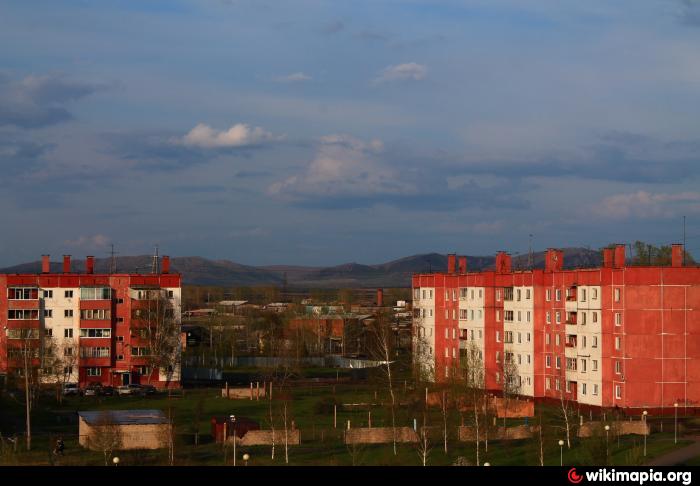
x: 132, y: 389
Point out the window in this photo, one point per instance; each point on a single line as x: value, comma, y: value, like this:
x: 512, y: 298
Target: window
x: 520, y: 361
x: 67, y: 370
x: 617, y: 342
x: 558, y: 294
x: 454, y: 313
x: 594, y: 316
x: 595, y: 389
x: 94, y: 352
x: 556, y: 338
x: 49, y: 332
x: 22, y: 293
x: 583, y: 389
x: 518, y: 294
x: 454, y: 294
x: 520, y: 338
x: 93, y: 371
x: 508, y: 337
x: 463, y: 313
x: 48, y: 294
x: 617, y: 295
x: 23, y: 333
x: 95, y: 314
x: 618, y: 319
x: 472, y: 334
x: 549, y: 295
x: 568, y: 387
x: 471, y: 314
x: 583, y: 318
x: 549, y: 317
x: 548, y: 383
x: 95, y: 333
x: 454, y: 333
x: 480, y: 334
x: 498, y: 336
x: 136, y: 351
x: 145, y: 370
x: 519, y: 316
x: 498, y: 295
x: 528, y: 359
x: 95, y: 293
x: 528, y: 337
x: 68, y: 313
x: 558, y: 362
x: 557, y: 384
x: 480, y: 315
x: 23, y: 314
x: 454, y: 353
x: 618, y: 392
x: 48, y: 313
x: 498, y: 357
x: 528, y: 316
x: 583, y: 295
x: 527, y: 294
x: 546, y: 339
x: 558, y: 317
x: 424, y: 294
x: 68, y: 294
x: 430, y: 313
x: 594, y: 365
x: 447, y: 353
x: 481, y: 294
x: 498, y: 377
x: 594, y: 296
x: 471, y: 294
x: 447, y: 333
x: 508, y: 293
x: 594, y: 343
x: 583, y: 366
x: 583, y: 341
x: 120, y: 357
x: 121, y: 338
x: 618, y: 367
x: 508, y: 315
x: 68, y: 333
x: 447, y: 295
x: 447, y: 315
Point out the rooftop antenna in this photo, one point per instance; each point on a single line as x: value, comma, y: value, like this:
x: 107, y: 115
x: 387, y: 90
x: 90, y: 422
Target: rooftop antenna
x: 112, y: 260
x: 154, y: 265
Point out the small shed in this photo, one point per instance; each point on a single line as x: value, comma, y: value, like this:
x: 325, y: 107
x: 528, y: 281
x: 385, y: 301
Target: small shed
x: 226, y: 425
x: 123, y: 429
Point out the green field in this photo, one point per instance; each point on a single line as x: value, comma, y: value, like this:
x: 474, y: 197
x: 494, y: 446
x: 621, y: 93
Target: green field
x: 311, y: 408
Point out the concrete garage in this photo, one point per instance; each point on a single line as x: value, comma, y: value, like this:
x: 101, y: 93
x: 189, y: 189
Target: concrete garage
x: 123, y: 429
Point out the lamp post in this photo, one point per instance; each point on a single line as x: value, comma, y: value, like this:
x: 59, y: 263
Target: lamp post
x: 115, y: 460
x: 245, y: 458
x: 233, y: 419
x: 561, y: 452
x: 607, y: 442
x: 675, y: 423
x: 644, y: 416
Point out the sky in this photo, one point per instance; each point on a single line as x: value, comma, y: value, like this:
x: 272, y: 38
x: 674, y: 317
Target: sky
x: 319, y: 132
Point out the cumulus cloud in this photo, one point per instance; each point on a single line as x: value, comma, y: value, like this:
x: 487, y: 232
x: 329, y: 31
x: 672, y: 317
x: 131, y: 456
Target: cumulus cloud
x: 410, y: 71
x: 648, y: 205
x: 293, y: 78
x: 238, y: 135
x: 38, y: 101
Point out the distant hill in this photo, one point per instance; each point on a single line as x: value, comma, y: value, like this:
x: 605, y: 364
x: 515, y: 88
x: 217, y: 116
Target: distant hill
x: 396, y: 273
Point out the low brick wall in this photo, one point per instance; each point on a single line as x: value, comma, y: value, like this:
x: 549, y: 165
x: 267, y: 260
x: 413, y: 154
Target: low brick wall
x: 243, y: 393
x: 622, y: 427
x: 264, y: 437
x: 380, y: 435
x: 152, y: 436
x: 515, y: 408
x: 468, y: 433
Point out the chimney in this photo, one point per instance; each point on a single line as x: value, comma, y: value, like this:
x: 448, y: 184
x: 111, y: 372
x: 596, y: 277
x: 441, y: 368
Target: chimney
x: 90, y: 264
x: 380, y: 297
x: 462, y: 264
x: 503, y: 262
x: 608, y: 257
x: 66, y: 263
x: 165, y: 265
x: 451, y: 260
x: 676, y: 255
x: 45, y: 264
x: 553, y: 260
x: 619, y: 258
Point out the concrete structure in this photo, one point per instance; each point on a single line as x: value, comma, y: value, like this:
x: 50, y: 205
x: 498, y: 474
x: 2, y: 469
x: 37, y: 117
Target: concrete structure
x: 95, y: 323
x: 613, y: 336
x: 126, y: 429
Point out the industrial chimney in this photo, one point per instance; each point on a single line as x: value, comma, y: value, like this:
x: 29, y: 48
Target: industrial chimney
x: 451, y: 261
x: 462, y: 265
x: 380, y: 297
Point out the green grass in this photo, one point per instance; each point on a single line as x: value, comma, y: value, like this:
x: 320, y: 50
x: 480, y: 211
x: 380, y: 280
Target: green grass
x: 322, y: 444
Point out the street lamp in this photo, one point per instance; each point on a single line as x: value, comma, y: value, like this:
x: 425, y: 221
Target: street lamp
x: 561, y: 452
x: 487, y: 464
x: 646, y: 429
x: 115, y: 460
x: 675, y: 423
x: 233, y: 420
x: 607, y: 442
x: 245, y: 458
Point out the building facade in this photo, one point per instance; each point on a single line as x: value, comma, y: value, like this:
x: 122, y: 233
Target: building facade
x: 614, y: 336
x: 112, y: 329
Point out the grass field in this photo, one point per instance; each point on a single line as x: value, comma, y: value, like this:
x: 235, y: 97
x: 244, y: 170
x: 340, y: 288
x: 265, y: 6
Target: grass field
x: 311, y: 408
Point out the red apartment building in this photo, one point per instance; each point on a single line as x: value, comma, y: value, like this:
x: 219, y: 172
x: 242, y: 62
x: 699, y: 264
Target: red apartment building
x: 614, y: 336
x: 92, y: 320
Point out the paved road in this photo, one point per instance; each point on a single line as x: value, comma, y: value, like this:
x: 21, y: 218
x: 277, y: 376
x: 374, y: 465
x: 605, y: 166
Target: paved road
x: 679, y: 455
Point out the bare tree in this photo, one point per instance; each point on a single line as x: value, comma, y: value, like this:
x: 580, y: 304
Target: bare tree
x: 24, y: 359
x: 382, y: 348
x: 510, y: 386
x: 424, y: 447
x: 105, y: 436
x: 473, y: 372
x: 59, y: 360
x: 161, y: 332
x: 566, y: 412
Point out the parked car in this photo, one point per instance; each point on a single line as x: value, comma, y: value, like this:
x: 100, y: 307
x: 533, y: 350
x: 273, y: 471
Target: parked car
x: 132, y: 389
x: 71, y: 389
x: 93, y: 389
x: 149, y: 389
x: 107, y: 391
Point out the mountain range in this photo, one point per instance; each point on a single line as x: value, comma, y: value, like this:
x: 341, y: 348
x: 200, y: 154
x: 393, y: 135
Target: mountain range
x: 396, y: 273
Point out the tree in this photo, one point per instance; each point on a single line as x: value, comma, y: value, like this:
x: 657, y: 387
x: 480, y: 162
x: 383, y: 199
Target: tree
x: 473, y: 372
x: 382, y: 348
x: 646, y: 254
x: 59, y: 361
x: 424, y: 446
x: 105, y: 435
x: 161, y: 333
x: 566, y: 412
x: 23, y: 352
x: 511, y: 384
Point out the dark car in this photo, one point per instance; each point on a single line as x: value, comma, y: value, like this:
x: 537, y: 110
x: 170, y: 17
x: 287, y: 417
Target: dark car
x: 149, y: 389
x: 108, y: 391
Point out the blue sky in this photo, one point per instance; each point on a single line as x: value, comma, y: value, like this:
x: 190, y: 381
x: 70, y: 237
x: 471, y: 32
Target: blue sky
x: 320, y: 132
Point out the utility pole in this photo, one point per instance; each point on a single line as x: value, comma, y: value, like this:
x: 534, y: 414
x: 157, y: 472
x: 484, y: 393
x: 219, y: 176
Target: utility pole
x: 154, y: 266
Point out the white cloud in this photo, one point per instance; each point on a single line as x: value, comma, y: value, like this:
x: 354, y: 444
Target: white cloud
x: 402, y: 72
x: 239, y: 135
x: 293, y: 78
x: 647, y: 205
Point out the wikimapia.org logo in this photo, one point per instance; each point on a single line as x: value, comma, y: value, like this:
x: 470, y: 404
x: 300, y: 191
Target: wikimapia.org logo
x: 639, y: 477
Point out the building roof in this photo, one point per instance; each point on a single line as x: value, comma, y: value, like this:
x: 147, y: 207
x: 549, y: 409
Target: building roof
x: 234, y: 303
x: 124, y: 417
